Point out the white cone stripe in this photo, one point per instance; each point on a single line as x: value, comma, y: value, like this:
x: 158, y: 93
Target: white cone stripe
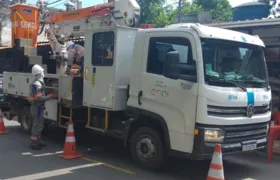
x: 219, y: 174
x: 70, y: 128
x: 217, y: 159
x: 70, y: 139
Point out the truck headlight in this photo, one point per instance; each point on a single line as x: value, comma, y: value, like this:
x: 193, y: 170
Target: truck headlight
x: 214, y: 135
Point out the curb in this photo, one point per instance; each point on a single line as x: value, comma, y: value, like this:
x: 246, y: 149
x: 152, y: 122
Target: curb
x: 264, y: 153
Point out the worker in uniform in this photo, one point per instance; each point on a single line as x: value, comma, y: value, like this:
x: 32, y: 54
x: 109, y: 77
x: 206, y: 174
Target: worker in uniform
x: 75, y: 56
x: 37, y: 99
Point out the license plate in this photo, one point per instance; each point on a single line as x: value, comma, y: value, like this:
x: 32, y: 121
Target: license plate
x: 249, y: 146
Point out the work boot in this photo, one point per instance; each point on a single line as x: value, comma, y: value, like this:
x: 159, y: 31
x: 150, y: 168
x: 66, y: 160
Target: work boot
x: 42, y: 143
x: 35, y: 145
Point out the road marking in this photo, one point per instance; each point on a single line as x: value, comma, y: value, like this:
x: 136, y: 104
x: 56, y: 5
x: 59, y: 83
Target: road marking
x: 110, y: 166
x: 53, y: 173
x: 85, y: 158
x: 40, y: 155
x: 249, y: 179
x: 47, y: 154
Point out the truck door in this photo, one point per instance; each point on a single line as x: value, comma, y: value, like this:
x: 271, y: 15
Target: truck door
x: 172, y: 98
x: 99, y: 70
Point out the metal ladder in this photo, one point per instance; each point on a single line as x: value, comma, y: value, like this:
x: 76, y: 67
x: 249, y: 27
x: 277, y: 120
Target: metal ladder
x: 64, y: 117
x: 98, y: 129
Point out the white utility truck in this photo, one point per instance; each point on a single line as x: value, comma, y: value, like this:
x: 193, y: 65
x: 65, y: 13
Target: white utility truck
x: 164, y: 91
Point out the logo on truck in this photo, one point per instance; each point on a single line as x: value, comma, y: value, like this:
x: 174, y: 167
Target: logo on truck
x: 232, y: 97
x: 250, y: 110
x: 163, y: 93
x: 27, y: 11
x: 11, y: 86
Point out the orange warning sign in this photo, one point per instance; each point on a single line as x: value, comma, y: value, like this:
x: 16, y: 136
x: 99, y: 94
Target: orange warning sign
x: 25, y: 22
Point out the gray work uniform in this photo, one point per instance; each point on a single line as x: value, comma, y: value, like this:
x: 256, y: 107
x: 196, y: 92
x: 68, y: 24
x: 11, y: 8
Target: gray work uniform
x: 37, y: 108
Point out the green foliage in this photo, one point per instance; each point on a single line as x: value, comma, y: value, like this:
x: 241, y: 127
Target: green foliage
x: 219, y: 9
x: 153, y: 11
x: 159, y: 16
x: 189, y: 8
x: 165, y: 16
x: 147, y: 8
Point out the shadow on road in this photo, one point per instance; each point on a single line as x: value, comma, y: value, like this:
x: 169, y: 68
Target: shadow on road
x: 111, y: 151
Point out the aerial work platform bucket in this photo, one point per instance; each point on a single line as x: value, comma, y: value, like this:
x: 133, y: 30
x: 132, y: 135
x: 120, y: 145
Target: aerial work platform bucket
x: 25, y: 23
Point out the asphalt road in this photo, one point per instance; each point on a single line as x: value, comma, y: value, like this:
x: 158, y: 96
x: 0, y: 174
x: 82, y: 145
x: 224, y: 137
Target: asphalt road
x: 106, y: 159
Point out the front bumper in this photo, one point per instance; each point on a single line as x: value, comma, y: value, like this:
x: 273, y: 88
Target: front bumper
x: 234, y: 137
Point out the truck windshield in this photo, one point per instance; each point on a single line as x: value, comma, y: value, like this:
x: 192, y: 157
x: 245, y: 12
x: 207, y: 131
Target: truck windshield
x: 233, y: 64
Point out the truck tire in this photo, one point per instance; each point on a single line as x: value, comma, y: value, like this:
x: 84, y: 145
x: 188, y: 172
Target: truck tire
x: 147, y: 148
x: 25, y: 119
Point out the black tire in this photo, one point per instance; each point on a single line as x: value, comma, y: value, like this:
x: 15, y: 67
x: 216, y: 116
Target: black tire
x: 25, y: 119
x: 154, y: 163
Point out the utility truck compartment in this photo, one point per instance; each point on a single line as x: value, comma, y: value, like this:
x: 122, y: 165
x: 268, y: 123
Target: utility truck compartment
x: 51, y: 86
x: 18, y: 83
x: 71, y: 91
x: 11, y: 83
x: 108, y: 62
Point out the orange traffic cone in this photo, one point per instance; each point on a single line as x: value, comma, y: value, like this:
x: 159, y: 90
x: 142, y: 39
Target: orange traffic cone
x: 216, y: 171
x: 70, y: 147
x: 2, y: 125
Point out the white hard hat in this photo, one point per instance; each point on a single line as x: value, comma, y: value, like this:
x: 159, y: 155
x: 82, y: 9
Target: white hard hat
x: 37, y: 69
x: 68, y: 44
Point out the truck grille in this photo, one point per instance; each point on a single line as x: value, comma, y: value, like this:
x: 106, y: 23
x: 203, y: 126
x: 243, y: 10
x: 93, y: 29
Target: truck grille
x: 235, y: 111
x: 235, y: 134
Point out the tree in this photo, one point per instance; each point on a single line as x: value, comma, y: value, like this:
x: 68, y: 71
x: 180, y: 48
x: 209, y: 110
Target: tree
x: 219, y: 9
x: 159, y: 16
x: 191, y: 8
x: 147, y: 8
x: 168, y: 15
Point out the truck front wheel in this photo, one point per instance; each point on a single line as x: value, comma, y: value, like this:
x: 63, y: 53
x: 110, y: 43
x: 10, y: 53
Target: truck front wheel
x: 147, y: 148
x: 25, y: 120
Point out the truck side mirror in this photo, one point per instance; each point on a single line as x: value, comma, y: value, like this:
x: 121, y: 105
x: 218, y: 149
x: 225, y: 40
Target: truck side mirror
x: 173, y: 69
x: 170, y: 66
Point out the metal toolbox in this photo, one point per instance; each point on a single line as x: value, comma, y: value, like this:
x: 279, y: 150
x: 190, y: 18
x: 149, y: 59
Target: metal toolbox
x: 11, y: 83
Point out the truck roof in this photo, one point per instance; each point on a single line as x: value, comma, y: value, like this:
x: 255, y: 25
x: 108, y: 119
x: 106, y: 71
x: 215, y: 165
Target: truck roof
x: 248, y: 23
x: 219, y: 33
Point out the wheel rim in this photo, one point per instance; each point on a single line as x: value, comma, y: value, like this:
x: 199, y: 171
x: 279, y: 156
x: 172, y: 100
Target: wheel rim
x: 26, y: 121
x: 146, y: 148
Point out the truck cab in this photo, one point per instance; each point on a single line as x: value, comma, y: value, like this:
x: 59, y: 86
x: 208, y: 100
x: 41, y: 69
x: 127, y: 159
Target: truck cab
x: 207, y: 85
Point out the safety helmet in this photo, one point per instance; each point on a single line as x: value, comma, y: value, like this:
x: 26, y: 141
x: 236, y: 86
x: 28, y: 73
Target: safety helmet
x: 68, y: 44
x: 37, y: 69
